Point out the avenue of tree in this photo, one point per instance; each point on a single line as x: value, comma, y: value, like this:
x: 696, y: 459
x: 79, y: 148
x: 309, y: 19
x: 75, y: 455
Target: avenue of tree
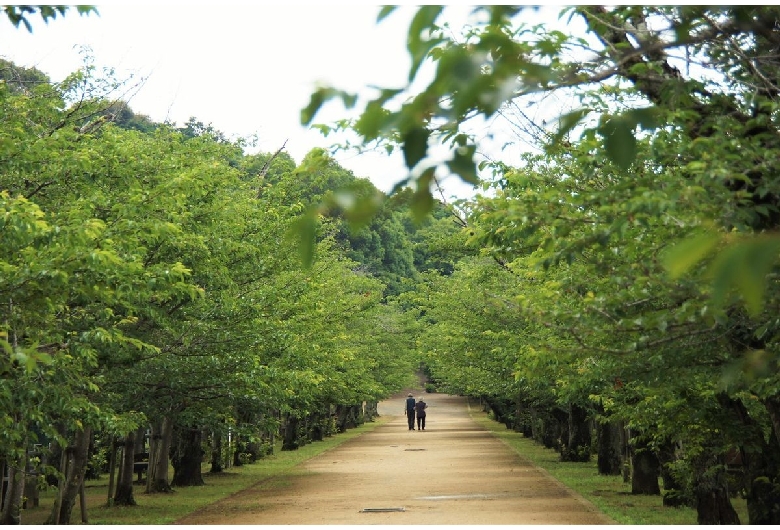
x: 613, y: 296
x: 150, y: 284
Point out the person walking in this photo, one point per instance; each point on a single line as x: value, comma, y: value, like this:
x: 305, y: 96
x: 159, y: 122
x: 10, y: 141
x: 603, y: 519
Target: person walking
x: 419, y: 408
x: 410, y: 405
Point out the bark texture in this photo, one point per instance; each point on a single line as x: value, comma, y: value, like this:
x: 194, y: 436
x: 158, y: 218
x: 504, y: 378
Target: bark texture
x: 124, y: 486
x: 12, y: 503
x: 645, y: 469
x: 610, y: 448
x: 74, y: 475
x: 187, y: 458
x: 576, y: 447
x: 159, y: 449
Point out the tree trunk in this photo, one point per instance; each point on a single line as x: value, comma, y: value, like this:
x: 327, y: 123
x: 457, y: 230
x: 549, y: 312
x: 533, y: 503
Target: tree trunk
x: 124, y: 486
x: 576, y: 447
x: 772, y: 405
x: 316, y: 428
x: 77, y: 462
x: 31, y: 494
x: 14, y: 493
x: 760, y: 463
x: 140, y: 441
x: 2, y: 483
x: 523, y: 419
x: 290, y: 440
x: 83, y: 499
x: 159, y: 449
x: 610, y: 448
x: 503, y: 411
x: 272, y: 436
x: 356, y: 417
x: 111, y: 472
x: 646, y: 468
x: 674, y: 495
x: 372, y: 410
x: 537, y: 426
x: 16, y: 464
x: 239, y: 450
x: 253, y: 449
x: 713, y: 505
x: 216, y: 452
x: 187, y: 458
x: 560, y: 424
x: 64, y: 455
x: 347, y: 417
x: 342, y: 418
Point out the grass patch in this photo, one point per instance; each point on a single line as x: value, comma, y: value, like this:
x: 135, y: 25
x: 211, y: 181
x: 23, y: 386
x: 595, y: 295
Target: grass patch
x: 163, y: 508
x: 608, y: 493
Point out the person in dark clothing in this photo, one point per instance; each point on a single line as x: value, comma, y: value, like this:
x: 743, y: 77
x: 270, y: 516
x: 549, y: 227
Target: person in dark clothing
x: 419, y: 408
x: 410, y: 411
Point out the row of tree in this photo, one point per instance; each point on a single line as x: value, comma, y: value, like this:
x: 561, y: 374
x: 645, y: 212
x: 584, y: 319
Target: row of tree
x: 154, y: 300
x: 620, y: 298
x: 613, y: 293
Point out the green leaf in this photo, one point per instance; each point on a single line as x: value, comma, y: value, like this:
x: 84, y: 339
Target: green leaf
x: 567, y: 122
x: 743, y: 266
x: 399, y: 186
x: 422, y: 200
x: 418, y: 48
x: 371, y: 122
x: 87, y: 9
x: 619, y: 142
x: 726, y: 264
x: 303, y: 232
x: 322, y: 95
x: 415, y: 146
x: 646, y: 118
x: 318, y: 97
x: 463, y: 164
x: 684, y: 255
x: 358, y: 210
x: 385, y: 12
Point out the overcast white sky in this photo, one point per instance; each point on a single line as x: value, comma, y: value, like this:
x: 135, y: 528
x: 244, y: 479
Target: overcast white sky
x: 246, y: 68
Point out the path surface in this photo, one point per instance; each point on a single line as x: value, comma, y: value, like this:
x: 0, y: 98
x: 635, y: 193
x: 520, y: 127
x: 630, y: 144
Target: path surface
x: 454, y: 472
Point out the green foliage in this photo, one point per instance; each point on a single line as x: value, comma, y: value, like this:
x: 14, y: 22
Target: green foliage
x: 125, y: 118
x: 18, y: 79
x: 628, y: 247
x: 145, y: 274
x: 19, y: 14
x: 499, y: 60
x: 742, y: 266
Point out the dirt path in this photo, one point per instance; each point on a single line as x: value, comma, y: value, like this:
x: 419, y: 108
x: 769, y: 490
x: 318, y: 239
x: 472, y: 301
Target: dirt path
x: 454, y: 472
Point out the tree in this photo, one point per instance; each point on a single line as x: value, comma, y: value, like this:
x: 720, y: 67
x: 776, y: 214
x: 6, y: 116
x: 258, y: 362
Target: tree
x: 655, y: 134
x: 73, y: 280
x: 502, y: 62
x: 20, y: 79
x: 147, y: 277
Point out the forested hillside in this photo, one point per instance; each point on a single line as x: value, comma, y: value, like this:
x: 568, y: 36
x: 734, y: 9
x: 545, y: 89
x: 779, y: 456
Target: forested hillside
x: 612, y: 295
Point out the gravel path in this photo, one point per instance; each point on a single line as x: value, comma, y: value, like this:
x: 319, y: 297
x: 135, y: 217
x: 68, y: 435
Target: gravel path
x: 454, y: 472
